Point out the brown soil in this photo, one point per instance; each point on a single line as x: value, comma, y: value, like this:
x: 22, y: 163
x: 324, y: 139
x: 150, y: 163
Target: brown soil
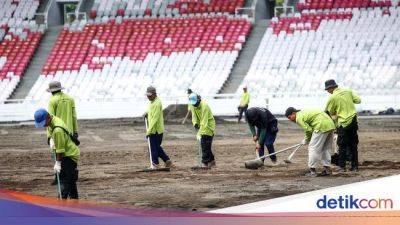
x: 113, y: 151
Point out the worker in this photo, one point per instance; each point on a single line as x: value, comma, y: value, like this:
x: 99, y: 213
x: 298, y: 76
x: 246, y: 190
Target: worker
x: 267, y: 129
x: 341, y: 105
x: 244, y: 103
x: 62, y: 106
x: 204, y: 122
x: 66, y: 152
x: 318, y: 128
x: 155, y: 129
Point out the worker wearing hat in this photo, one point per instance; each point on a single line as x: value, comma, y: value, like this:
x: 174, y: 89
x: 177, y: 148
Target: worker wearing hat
x: 341, y: 106
x: 155, y: 128
x: 67, y: 153
x: 244, y: 103
x: 204, y: 122
x: 62, y: 106
x: 318, y: 128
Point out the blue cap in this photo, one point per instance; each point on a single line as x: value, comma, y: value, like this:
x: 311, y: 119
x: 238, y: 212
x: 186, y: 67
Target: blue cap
x: 193, y: 99
x: 40, y: 117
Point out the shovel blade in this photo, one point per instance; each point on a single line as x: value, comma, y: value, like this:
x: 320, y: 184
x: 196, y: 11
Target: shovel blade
x: 253, y: 164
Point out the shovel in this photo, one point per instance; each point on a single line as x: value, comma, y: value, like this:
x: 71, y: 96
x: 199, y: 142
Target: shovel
x: 257, y: 163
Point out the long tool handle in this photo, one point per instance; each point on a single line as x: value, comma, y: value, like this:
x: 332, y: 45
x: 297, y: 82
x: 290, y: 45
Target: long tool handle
x: 57, y: 174
x: 292, y: 154
x: 283, y: 150
x: 148, y: 142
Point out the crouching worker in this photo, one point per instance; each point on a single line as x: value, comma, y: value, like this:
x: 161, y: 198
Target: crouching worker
x: 155, y: 129
x: 318, y: 128
x: 267, y: 129
x: 66, y: 151
x: 204, y: 123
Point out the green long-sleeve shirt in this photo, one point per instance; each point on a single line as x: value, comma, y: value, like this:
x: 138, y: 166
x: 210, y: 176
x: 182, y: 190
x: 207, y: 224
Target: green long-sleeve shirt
x: 314, y: 120
x: 245, y: 99
x: 203, y: 117
x: 341, y: 103
x: 62, y: 141
x: 262, y: 133
x: 155, y: 117
x: 63, y: 106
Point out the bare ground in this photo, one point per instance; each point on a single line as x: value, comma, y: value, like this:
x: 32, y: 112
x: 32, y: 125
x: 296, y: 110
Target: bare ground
x: 113, y: 151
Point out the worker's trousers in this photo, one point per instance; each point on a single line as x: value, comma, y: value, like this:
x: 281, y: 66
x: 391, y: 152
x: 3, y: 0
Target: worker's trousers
x: 68, y: 178
x: 270, y: 137
x: 156, y: 150
x: 319, y: 149
x: 242, y: 109
x: 348, y: 144
x: 206, y: 143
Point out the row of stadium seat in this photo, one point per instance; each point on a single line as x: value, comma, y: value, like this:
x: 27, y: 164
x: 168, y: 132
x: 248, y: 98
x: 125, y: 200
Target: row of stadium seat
x: 16, y: 50
x: 361, y: 51
x: 336, y: 4
x: 122, y: 58
x: 141, y: 8
x: 22, y: 9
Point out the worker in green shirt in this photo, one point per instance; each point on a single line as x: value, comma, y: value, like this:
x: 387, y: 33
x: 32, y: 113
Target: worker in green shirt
x: 341, y: 106
x: 62, y: 106
x: 244, y: 103
x: 318, y: 128
x: 67, y: 153
x: 155, y: 129
x: 204, y: 122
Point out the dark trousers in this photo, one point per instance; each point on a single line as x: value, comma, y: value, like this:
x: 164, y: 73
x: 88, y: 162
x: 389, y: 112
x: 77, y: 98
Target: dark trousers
x: 68, y: 178
x: 269, y: 143
x: 206, y: 143
x: 241, y: 111
x: 156, y: 150
x: 348, y: 142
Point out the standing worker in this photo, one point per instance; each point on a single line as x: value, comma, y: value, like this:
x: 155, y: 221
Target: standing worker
x: 267, y: 129
x: 155, y: 129
x: 204, y: 122
x: 62, y: 106
x: 341, y: 105
x: 318, y: 128
x: 67, y: 153
x: 244, y: 103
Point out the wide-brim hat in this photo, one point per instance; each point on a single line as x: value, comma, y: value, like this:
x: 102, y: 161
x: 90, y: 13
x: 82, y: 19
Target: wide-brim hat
x: 330, y: 84
x: 54, y: 86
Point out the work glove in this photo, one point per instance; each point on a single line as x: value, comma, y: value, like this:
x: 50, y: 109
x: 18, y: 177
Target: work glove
x: 48, y: 141
x: 196, y: 126
x: 75, y: 135
x: 57, y: 167
x: 305, y: 142
x: 198, y: 137
x: 51, y: 143
x: 144, y: 115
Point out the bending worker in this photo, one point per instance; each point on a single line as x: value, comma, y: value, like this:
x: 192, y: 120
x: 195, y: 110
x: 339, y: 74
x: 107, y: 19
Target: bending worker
x: 204, y: 122
x: 318, y: 128
x: 267, y: 129
x: 155, y: 129
x: 341, y: 105
x: 67, y: 153
x: 62, y: 106
x: 244, y: 103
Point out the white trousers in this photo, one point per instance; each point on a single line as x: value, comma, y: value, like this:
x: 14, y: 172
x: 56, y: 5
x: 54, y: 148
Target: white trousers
x: 319, y: 149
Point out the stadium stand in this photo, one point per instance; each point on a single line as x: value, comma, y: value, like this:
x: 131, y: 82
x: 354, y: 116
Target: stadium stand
x: 336, y: 4
x: 19, y: 38
x: 120, y: 58
x: 357, y: 47
x: 141, y: 8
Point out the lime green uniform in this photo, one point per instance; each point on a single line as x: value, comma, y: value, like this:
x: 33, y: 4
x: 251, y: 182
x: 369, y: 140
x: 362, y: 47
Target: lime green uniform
x: 203, y: 117
x: 245, y: 99
x: 155, y: 117
x: 62, y: 141
x: 63, y: 106
x: 314, y: 120
x: 341, y: 103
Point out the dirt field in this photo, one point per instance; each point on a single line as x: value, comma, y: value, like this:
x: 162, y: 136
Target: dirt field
x: 113, y: 151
